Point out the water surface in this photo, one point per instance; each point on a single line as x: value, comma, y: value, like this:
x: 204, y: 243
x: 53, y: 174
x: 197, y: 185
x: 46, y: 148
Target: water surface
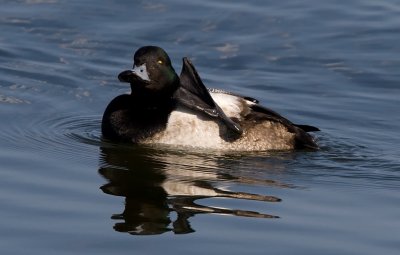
x: 331, y: 64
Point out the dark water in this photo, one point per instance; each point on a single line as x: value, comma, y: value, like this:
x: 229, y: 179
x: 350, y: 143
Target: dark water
x: 332, y: 64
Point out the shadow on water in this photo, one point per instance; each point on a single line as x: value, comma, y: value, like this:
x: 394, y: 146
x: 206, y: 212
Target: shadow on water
x: 160, y: 184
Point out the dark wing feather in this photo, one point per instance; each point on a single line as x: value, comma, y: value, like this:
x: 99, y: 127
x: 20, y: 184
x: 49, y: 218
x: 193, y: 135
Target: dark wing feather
x: 274, y: 116
x: 193, y: 94
x: 308, y: 128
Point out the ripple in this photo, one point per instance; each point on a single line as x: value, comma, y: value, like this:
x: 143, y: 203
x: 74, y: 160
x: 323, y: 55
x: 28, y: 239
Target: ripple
x: 346, y: 163
x: 63, y: 137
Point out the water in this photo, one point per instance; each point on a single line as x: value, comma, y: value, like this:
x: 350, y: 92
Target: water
x: 331, y: 64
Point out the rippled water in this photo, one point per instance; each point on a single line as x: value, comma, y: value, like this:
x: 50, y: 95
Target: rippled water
x: 331, y: 64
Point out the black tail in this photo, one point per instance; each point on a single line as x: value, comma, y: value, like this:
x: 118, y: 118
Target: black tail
x: 308, y: 128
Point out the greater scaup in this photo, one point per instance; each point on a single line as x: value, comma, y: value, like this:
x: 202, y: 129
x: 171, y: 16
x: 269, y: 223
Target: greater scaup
x: 163, y: 108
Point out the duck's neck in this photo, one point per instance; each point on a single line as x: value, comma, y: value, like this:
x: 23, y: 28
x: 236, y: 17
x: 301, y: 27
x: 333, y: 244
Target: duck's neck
x: 150, y: 99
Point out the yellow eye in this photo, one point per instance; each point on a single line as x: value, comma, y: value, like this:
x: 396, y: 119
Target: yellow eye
x: 160, y: 62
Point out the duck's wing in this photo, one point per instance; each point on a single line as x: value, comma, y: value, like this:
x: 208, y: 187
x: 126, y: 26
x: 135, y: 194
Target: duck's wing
x: 267, y: 113
x: 193, y: 94
x: 248, y: 111
x: 274, y: 116
x: 221, y: 91
x: 302, y: 139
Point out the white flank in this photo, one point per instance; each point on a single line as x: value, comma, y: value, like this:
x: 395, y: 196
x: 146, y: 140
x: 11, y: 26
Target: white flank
x: 189, y: 128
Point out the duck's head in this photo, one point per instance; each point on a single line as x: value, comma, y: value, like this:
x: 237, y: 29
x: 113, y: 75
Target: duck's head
x: 152, y: 72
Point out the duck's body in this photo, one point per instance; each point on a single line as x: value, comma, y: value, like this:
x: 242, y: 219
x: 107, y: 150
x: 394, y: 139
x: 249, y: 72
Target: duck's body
x: 193, y: 116
x: 186, y: 127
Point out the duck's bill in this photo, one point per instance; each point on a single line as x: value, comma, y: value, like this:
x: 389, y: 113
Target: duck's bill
x: 137, y: 74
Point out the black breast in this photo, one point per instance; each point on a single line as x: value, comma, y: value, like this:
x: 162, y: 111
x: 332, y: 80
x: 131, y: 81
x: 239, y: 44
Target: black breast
x: 127, y: 118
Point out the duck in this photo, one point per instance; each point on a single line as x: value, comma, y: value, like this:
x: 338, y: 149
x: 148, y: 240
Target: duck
x: 166, y: 109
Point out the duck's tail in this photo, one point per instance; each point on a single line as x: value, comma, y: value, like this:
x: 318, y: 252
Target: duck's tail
x: 307, y: 128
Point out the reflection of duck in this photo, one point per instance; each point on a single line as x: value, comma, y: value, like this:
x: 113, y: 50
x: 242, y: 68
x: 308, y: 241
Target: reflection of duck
x: 157, y: 185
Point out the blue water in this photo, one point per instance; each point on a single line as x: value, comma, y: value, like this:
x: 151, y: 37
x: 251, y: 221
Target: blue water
x: 332, y: 64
